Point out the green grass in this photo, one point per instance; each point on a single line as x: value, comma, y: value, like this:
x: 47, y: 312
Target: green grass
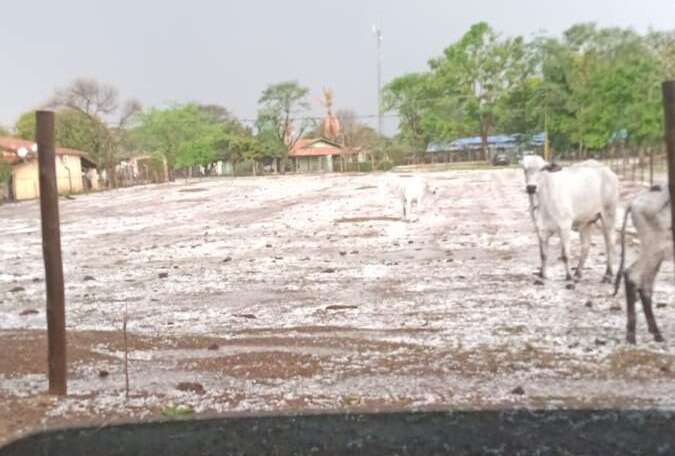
x: 177, y: 411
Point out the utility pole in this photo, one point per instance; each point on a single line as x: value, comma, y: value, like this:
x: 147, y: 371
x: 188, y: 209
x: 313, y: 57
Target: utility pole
x: 378, y: 37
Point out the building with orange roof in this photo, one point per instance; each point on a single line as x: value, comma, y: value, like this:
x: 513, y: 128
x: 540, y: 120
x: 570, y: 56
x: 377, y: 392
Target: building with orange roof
x: 23, y: 183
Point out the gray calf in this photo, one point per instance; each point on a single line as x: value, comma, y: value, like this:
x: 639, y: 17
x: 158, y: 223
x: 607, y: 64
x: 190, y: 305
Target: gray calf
x: 650, y: 213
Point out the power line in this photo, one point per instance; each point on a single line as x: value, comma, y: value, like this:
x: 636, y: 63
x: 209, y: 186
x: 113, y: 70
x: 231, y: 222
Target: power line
x: 319, y: 118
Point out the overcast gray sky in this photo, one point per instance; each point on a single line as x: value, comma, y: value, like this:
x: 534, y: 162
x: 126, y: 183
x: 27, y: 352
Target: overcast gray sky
x: 226, y: 52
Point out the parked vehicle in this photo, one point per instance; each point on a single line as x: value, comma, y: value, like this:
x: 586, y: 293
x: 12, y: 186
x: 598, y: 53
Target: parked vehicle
x: 501, y: 160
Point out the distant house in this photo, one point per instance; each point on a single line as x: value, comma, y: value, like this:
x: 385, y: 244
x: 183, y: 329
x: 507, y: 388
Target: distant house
x: 324, y: 155
x: 21, y: 155
x: 315, y: 155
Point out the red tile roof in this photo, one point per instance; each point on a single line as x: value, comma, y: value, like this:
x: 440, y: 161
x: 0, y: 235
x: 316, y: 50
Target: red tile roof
x: 315, y: 148
x: 10, y: 146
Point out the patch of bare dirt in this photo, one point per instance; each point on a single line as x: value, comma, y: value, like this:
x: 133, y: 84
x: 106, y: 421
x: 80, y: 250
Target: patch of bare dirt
x: 25, y: 352
x: 21, y: 415
x: 259, y: 365
x: 636, y: 363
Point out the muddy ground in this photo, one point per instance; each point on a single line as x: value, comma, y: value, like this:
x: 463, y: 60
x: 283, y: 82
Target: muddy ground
x: 309, y: 292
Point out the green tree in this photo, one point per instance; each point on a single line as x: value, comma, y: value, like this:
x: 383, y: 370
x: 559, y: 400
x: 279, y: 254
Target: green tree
x: 72, y: 129
x: 108, y: 119
x: 281, y: 115
x: 5, y: 168
x: 582, y: 87
x: 481, y: 82
x: 5, y: 171
x: 597, y: 82
x: 410, y: 96
x: 475, y: 74
x: 185, y: 135
x: 661, y: 44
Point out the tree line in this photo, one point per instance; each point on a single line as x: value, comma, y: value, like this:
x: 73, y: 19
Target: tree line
x: 586, y: 88
x: 92, y: 117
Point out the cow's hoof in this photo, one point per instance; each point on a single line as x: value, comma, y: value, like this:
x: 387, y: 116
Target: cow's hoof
x: 658, y: 338
x: 606, y: 279
x: 539, y: 281
x: 630, y: 338
x: 570, y: 286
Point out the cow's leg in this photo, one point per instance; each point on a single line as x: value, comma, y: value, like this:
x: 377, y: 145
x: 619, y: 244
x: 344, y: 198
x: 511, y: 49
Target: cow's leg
x: 630, y: 306
x: 585, y: 234
x: 647, y: 278
x: 565, y: 247
x: 608, y: 233
x: 404, y: 205
x: 543, y: 251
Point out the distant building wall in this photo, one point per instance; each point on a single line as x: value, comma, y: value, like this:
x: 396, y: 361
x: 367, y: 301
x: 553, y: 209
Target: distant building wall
x: 26, y: 179
x: 314, y: 164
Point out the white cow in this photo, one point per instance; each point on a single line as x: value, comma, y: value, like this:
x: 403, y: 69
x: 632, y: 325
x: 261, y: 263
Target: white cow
x: 651, y: 215
x: 563, y: 199
x: 411, y: 191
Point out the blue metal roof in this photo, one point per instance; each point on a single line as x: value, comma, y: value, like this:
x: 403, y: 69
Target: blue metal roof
x: 494, y: 140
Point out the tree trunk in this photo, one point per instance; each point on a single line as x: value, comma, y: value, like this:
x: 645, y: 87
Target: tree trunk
x: 484, y: 146
x: 284, y: 163
x: 484, y: 132
x: 112, y: 177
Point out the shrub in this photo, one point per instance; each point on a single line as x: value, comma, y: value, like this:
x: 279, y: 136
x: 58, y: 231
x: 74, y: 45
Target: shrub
x: 385, y: 165
x: 244, y: 168
x: 364, y: 167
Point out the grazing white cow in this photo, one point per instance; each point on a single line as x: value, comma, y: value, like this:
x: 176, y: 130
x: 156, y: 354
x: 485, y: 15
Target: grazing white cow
x: 563, y: 199
x: 650, y: 212
x: 411, y: 191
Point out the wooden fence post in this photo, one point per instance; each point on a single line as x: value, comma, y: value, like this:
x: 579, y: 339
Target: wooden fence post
x: 51, y: 251
x: 668, y: 89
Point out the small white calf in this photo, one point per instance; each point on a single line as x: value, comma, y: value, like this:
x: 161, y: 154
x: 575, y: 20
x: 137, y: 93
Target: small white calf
x: 574, y: 197
x: 650, y: 212
x: 412, y: 190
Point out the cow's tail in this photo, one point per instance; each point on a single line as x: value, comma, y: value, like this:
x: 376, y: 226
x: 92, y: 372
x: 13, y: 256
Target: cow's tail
x: 622, y: 262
